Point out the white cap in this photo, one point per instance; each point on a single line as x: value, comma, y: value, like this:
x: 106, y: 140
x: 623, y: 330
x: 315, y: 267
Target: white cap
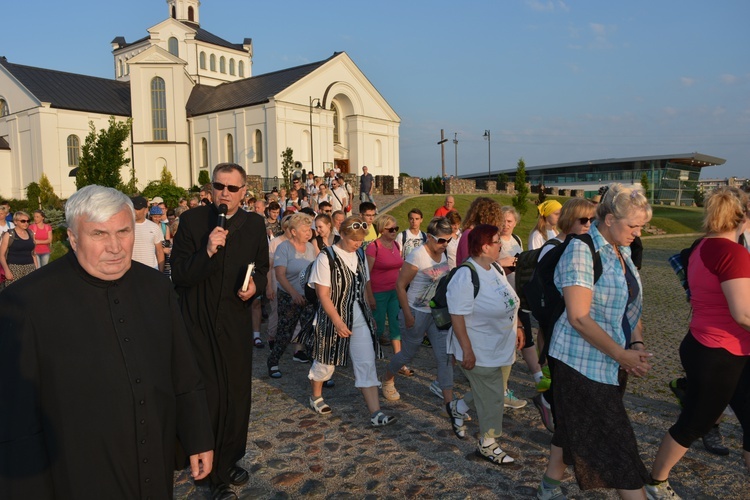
x: 157, y: 199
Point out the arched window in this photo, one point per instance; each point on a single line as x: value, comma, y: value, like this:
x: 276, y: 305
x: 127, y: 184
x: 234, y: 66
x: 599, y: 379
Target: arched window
x: 204, y: 153
x: 159, y: 109
x: 212, y: 62
x: 74, y: 150
x: 191, y: 14
x: 258, y: 146
x: 378, y: 150
x: 174, y: 12
x: 203, y: 60
x: 223, y: 65
x: 4, y: 109
x: 230, y: 148
x: 335, y: 124
x: 241, y: 69
x: 121, y: 68
x: 231, y: 67
x: 174, y: 47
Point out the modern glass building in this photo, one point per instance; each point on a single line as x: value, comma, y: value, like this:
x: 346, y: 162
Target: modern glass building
x: 672, y: 178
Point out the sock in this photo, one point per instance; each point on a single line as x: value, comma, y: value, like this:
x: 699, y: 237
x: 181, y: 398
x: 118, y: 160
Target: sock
x: 256, y: 335
x: 462, y: 406
x: 548, y: 483
x: 538, y: 376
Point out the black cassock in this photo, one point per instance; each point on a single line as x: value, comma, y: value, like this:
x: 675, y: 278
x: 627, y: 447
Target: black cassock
x: 97, y: 382
x: 218, y: 321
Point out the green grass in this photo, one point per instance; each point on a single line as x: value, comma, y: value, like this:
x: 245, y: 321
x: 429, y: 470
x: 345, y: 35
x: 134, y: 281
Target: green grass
x: 673, y: 220
x: 58, y: 250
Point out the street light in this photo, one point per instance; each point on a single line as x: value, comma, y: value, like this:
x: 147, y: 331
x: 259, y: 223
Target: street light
x: 489, y: 155
x: 315, y: 101
x: 455, y: 146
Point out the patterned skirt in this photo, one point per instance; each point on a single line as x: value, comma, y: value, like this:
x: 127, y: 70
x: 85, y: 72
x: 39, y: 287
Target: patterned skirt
x: 594, y: 431
x: 19, y: 271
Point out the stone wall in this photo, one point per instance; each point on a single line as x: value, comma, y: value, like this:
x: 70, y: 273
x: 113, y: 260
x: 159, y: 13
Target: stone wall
x: 254, y: 185
x: 410, y: 185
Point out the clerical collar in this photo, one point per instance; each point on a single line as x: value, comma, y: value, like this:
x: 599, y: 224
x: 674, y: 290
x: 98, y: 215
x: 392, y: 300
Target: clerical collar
x: 89, y: 278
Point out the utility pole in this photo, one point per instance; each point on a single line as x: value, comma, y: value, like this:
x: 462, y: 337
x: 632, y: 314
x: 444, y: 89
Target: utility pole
x: 455, y: 146
x: 442, y: 142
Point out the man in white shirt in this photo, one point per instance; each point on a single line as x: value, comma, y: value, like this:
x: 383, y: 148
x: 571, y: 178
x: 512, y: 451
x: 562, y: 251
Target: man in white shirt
x: 340, y: 197
x: 5, y: 224
x: 148, y: 237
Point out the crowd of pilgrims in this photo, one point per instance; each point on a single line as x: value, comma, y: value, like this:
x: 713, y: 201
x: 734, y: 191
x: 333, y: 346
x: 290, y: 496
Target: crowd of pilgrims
x: 345, y: 289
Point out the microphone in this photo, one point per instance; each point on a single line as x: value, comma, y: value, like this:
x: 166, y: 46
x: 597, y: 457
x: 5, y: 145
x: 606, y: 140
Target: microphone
x: 222, y: 222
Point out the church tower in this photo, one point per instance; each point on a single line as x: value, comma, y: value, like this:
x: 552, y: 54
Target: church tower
x: 185, y: 10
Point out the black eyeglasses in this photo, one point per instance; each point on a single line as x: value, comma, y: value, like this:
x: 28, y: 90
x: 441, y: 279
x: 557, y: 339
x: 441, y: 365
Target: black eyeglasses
x: 23, y: 221
x: 441, y: 241
x: 220, y: 187
x: 327, y: 211
x: 393, y: 229
x: 358, y: 225
x: 586, y: 220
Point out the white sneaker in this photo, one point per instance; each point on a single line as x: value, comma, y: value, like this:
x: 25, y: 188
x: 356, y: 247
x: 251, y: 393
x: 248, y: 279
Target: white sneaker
x: 435, y: 389
x: 511, y: 401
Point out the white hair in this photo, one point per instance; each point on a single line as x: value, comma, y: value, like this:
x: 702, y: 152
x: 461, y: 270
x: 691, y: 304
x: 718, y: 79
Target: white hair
x: 96, y: 204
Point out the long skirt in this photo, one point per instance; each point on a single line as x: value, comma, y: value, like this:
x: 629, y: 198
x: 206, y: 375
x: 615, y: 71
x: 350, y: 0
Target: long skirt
x: 594, y: 431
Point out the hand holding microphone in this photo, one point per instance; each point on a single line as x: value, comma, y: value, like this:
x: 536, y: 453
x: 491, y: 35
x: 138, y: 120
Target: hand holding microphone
x: 218, y: 237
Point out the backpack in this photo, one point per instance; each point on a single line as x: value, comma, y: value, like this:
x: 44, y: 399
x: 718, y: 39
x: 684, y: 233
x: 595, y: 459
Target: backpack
x: 304, y: 278
x: 545, y: 301
x: 679, y: 263
x: 525, y: 266
x: 439, y: 302
x: 403, y: 237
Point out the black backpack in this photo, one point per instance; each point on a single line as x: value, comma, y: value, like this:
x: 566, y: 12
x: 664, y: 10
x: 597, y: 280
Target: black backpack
x: 304, y: 277
x: 525, y: 265
x: 545, y: 301
x: 439, y: 302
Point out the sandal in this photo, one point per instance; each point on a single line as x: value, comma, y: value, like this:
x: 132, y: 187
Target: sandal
x: 320, y: 406
x: 406, y: 371
x: 258, y: 343
x: 389, y: 391
x: 494, y: 454
x: 380, y: 419
x: 455, y: 417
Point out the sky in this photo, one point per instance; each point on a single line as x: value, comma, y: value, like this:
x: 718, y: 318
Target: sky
x: 553, y: 81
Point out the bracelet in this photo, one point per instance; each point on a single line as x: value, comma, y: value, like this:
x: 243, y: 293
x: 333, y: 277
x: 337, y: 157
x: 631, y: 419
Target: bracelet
x: 636, y: 342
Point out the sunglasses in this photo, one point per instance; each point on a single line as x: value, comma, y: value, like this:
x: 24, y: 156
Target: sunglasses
x: 220, y: 187
x: 393, y: 229
x: 441, y: 241
x: 586, y: 220
x: 327, y: 211
x: 23, y: 221
x: 358, y: 225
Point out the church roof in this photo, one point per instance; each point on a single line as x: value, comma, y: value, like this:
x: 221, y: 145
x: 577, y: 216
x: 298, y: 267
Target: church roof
x: 200, y: 35
x: 71, y: 91
x: 248, y: 92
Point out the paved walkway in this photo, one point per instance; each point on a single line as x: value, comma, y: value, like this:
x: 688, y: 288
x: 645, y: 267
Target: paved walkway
x: 293, y: 452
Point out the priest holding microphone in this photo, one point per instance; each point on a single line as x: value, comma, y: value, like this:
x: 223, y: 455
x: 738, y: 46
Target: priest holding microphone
x: 210, y: 258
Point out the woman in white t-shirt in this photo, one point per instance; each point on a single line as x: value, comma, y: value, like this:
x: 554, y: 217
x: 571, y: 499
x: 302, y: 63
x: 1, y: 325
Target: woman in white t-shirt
x: 486, y: 336
x: 343, y: 321
x: 421, y: 273
x: 546, y: 224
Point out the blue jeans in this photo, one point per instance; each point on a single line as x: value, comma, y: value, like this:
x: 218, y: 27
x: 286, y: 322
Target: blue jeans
x: 363, y: 197
x: 43, y: 259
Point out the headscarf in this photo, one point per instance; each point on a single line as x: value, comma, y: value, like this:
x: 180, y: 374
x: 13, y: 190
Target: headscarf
x: 549, y: 206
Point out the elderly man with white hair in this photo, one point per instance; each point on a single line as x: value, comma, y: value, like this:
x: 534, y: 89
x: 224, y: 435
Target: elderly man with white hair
x: 94, y: 394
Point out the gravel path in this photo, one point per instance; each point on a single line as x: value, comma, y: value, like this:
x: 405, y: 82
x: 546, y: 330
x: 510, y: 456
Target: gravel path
x: 293, y: 452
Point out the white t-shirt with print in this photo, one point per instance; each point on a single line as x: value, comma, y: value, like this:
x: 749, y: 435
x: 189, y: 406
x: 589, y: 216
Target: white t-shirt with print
x: 409, y: 242
x: 491, y: 318
x: 422, y: 287
x: 510, y: 248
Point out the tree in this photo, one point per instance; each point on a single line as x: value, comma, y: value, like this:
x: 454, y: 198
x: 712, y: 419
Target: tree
x: 102, y: 156
x: 698, y: 196
x: 47, y: 194
x: 203, y: 177
x: 522, y: 190
x: 646, y: 185
x: 166, y: 188
x: 32, y: 195
x: 287, y: 164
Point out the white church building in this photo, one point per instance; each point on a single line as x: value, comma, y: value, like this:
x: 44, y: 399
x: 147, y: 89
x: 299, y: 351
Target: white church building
x: 194, y: 103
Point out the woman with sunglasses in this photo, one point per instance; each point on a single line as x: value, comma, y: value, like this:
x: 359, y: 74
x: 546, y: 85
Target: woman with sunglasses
x: 576, y: 217
x: 384, y: 260
x: 415, y: 287
x: 17, y: 256
x: 343, y: 322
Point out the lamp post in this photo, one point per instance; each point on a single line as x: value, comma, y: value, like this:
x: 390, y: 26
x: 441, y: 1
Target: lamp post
x: 489, y: 154
x: 315, y: 101
x: 455, y: 147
